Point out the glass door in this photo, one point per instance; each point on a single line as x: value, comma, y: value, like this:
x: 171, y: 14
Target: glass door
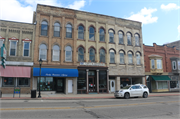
x: 92, y: 84
x: 60, y: 86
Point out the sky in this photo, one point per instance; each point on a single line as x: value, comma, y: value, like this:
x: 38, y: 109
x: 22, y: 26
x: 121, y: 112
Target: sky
x: 160, y: 18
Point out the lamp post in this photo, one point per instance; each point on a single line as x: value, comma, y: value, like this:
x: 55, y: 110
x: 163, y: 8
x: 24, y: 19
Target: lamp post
x: 40, y: 62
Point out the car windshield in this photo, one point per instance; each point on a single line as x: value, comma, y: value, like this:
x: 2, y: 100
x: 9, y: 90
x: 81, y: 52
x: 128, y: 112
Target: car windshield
x: 126, y: 87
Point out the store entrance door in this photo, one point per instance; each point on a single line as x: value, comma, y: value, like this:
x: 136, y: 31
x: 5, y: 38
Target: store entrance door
x: 92, y: 84
x: 60, y: 85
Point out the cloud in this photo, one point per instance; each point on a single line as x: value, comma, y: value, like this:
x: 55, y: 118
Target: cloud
x: 22, y: 10
x: 178, y: 32
x: 144, y: 16
x: 77, y: 5
x: 90, y: 1
x: 170, y: 6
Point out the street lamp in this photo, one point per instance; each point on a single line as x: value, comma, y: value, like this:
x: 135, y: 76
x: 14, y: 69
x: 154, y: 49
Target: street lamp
x: 40, y: 62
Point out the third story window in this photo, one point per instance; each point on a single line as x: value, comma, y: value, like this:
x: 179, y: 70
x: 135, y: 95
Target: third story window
x: 111, y: 36
x: 159, y: 64
x: 91, y: 34
x: 13, y: 46
x: 121, y: 38
x: 26, y: 48
x: 101, y: 35
x: 44, y: 28
x: 136, y: 39
x: 57, y: 29
x: 68, y: 31
x: 129, y: 39
x: 80, y: 32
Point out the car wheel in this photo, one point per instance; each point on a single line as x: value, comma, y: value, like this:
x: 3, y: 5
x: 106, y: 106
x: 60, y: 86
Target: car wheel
x: 145, y: 95
x: 126, y: 95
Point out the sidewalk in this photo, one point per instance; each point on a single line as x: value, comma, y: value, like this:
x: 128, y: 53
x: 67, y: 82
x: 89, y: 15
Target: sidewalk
x: 74, y: 96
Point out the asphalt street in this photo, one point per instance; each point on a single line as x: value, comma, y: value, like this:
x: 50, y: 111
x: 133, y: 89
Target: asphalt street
x: 150, y: 108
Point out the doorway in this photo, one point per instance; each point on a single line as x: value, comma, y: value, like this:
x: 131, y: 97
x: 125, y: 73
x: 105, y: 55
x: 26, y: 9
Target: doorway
x: 59, y: 85
x: 92, y: 84
x: 112, y: 83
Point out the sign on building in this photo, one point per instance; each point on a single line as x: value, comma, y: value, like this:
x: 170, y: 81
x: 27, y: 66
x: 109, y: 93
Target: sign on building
x: 3, y: 56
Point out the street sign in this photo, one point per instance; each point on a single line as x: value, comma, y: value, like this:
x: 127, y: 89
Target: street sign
x: 3, y: 56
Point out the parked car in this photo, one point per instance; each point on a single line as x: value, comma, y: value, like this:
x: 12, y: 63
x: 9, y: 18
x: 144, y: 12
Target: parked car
x: 136, y: 90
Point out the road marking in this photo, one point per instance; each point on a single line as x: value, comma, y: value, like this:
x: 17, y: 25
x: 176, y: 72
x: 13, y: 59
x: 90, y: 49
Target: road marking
x: 80, y: 107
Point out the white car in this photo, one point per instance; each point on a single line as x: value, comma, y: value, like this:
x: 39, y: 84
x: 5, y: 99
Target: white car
x: 132, y: 91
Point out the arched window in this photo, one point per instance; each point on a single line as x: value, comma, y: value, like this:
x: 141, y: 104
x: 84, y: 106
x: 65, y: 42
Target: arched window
x: 43, y: 52
x: 80, y: 32
x: 111, y: 36
x: 129, y: 42
x: 68, y: 31
x: 102, y: 55
x: 174, y: 67
x: 121, y: 41
x: 68, y: 54
x: 44, y: 28
x: 112, y: 56
x: 101, y: 35
x: 130, y: 58
x: 121, y: 54
x: 56, y: 29
x: 56, y: 53
x: 91, y: 34
x: 136, y: 39
x: 80, y: 54
x: 138, y: 58
x: 92, y: 55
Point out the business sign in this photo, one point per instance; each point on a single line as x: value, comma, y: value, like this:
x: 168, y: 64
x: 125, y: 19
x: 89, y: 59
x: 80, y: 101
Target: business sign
x: 3, y: 56
x: 92, y: 64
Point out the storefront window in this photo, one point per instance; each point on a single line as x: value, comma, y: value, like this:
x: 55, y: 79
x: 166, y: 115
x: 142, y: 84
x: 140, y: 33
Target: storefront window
x: 162, y: 85
x: 179, y: 65
x: 23, y: 82
x: 81, y: 82
x: 46, y: 84
x: 174, y: 84
x: 102, y: 80
x: 8, y: 81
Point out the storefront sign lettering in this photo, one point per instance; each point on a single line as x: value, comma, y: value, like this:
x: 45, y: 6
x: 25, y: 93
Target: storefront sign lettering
x: 63, y: 75
x: 92, y: 64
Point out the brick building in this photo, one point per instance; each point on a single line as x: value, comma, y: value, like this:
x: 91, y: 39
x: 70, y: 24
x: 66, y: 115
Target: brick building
x: 18, y: 38
x: 91, y: 50
x: 162, y: 68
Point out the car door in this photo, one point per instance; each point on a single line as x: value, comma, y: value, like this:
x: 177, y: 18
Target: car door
x: 138, y: 90
x: 133, y: 91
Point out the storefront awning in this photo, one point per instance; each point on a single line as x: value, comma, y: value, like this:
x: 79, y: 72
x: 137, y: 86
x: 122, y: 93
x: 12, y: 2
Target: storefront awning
x: 161, y: 78
x: 53, y: 72
x: 15, y: 71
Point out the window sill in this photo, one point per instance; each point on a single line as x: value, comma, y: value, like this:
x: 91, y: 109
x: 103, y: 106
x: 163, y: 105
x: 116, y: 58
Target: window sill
x: 91, y: 40
x: 138, y: 64
x: 43, y: 36
x: 129, y: 45
x: 121, y: 44
x: 68, y: 61
x: 137, y: 46
x: 55, y: 61
x: 56, y: 37
x: 112, y: 63
x: 12, y: 56
x: 68, y: 38
x: 122, y: 64
x: 111, y: 43
x: 102, y: 42
x: 81, y: 39
x: 130, y: 64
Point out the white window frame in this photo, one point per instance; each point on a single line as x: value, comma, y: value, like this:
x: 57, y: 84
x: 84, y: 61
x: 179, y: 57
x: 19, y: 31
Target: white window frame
x: 40, y: 53
x: 178, y: 64
x: 138, y: 59
x: 2, y: 42
x: 29, y: 48
x: 152, y: 63
x: 53, y: 54
x: 110, y: 56
x: 71, y: 55
x: 160, y: 63
x: 173, y: 66
x: 130, y: 57
x: 10, y: 47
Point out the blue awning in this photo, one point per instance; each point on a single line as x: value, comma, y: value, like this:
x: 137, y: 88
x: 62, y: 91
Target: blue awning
x: 53, y: 72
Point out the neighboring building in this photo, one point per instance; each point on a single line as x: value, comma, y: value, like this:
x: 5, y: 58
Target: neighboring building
x: 174, y: 44
x: 162, y: 68
x: 18, y: 38
x: 88, y: 48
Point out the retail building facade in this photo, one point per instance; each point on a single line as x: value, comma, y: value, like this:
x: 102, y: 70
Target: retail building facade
x: 162, y: 66
x: 18, y: 39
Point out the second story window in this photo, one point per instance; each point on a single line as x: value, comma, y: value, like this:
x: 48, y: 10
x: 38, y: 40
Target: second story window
x: 152, y: 64
x: 121, y: 54
x: 111, y: 36
x: 13, y: 47
x: 57, y: 29
x: 102, y: 55
x: 136, y: 40
x: 101, y: 35
x: 80, y: 54
x: 159, y: 63
x: 138, y: 58
x: 1, y: 43
x: 92, y: 55
x: 44, y: 28
x: 91, y: 34
x: 129, y: 42
x: 112, y: 56
x: 80, y: 32
x: 43, y: 52
x: 56, y: 53
x: 174, y: 66
x: 178, y: 65
x: 121, y: 41
x: 130, y: 58
x: 26, y: 49
x: 68, y: 31
x: 68, y: 54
